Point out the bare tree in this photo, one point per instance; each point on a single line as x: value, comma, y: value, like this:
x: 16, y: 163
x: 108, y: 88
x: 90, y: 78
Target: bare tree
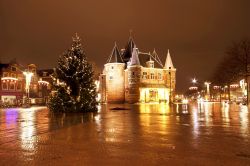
x: 234, y: 66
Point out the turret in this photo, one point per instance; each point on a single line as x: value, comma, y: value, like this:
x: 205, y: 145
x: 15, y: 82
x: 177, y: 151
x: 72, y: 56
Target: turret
x: 150, y: 62
x: 168, y: 63
x: 170, y: 75
x: 114, y: 76
x: 127, y: 52
x: 134, y: 76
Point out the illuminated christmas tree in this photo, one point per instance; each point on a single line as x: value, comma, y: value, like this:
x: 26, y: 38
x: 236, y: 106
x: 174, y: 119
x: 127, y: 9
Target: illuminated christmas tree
x: 73, y: 82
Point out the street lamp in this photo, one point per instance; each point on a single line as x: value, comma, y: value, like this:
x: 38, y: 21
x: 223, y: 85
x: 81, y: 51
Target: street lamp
x: 170, y: 92
x: 208, y: 89
x: 194, y: 80
x: 28, y: 76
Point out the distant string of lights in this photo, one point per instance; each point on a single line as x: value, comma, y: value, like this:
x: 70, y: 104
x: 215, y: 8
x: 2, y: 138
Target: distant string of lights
x: 9, y: 79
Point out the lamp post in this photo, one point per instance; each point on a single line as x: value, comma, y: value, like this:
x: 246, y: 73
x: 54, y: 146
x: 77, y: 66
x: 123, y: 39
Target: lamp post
x: 194, y: 81
x: 28, y: 76
x: 208, y: 88
x: 170, y: 92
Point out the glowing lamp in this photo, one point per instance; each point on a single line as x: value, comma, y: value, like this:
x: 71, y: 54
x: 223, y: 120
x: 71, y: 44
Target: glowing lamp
x: 194, y: 81
x: 43, y: 82
x: 8, y: 78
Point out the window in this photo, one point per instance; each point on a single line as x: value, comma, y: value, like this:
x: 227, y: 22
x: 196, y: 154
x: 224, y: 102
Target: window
x: 40, y: 94
x: 19, y: 86
x: 144, y: 75
x: 12, y: 86
x: 13, y: 75
x: 159, y: 76
x: 152, y: 76
x: 20, y: 76
x: 111, y: 77
x: 35, y: 89
x: 133, y: 73
x: 5, y: 74
x: 4, y: 86
x: 112, y: 67
x: 44, y: 74
x: 13, y: 68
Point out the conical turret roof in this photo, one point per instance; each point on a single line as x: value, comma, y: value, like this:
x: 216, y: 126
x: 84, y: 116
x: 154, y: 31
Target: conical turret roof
x: 127, y: 54
x: 115, y: 56
x: 134, y: 59
x: 169, y: 63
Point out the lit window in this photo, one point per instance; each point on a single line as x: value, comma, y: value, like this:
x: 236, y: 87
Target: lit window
x: 40, y: 94
x: 12, y: 86
x: 4, y: 86
x: 19, y: 86
x: 35, y: 89
x: 44, y: 74
x: 5, y: 74
x: 13, y: 75
x: 20, y: 76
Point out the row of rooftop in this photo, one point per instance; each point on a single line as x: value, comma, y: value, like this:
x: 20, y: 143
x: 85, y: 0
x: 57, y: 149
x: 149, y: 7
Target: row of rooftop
x: 131, y: 55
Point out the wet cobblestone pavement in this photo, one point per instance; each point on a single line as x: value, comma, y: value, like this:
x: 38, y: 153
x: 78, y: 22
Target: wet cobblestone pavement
x: 206, y: 134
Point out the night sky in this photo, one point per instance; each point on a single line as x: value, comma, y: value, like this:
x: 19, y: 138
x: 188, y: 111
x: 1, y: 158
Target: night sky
x: 196, y: 31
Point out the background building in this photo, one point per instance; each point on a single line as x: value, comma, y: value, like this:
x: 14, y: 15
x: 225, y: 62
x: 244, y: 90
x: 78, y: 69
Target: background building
x: 13, y: 81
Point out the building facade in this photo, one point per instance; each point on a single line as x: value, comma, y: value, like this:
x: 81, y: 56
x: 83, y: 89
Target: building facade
x: 133, y: 76
x: 13, y: 89
x: 12, y: 84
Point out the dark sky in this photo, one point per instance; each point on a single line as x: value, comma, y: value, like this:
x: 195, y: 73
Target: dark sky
x: 196, y: 31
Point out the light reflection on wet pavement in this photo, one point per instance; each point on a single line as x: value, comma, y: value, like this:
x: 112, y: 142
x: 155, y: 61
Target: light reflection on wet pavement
x: 146, y: 134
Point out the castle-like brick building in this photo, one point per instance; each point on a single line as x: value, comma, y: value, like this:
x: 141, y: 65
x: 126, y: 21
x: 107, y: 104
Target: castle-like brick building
x: 133, y: 76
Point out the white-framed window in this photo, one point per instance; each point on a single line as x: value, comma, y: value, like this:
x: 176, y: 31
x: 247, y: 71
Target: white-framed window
x: 13, y: 75
x: 45, y: 74
x: 20, y: 76
x: 19, y: 86
x: 4, y: 85
x: 35, y: 89
x: 12, y: 86
x: 5, y: 74
x: 40, y: 94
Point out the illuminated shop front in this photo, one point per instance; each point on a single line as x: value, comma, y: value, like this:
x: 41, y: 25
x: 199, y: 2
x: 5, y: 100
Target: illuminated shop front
x: 11, y: 90
x: 154, y: 94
